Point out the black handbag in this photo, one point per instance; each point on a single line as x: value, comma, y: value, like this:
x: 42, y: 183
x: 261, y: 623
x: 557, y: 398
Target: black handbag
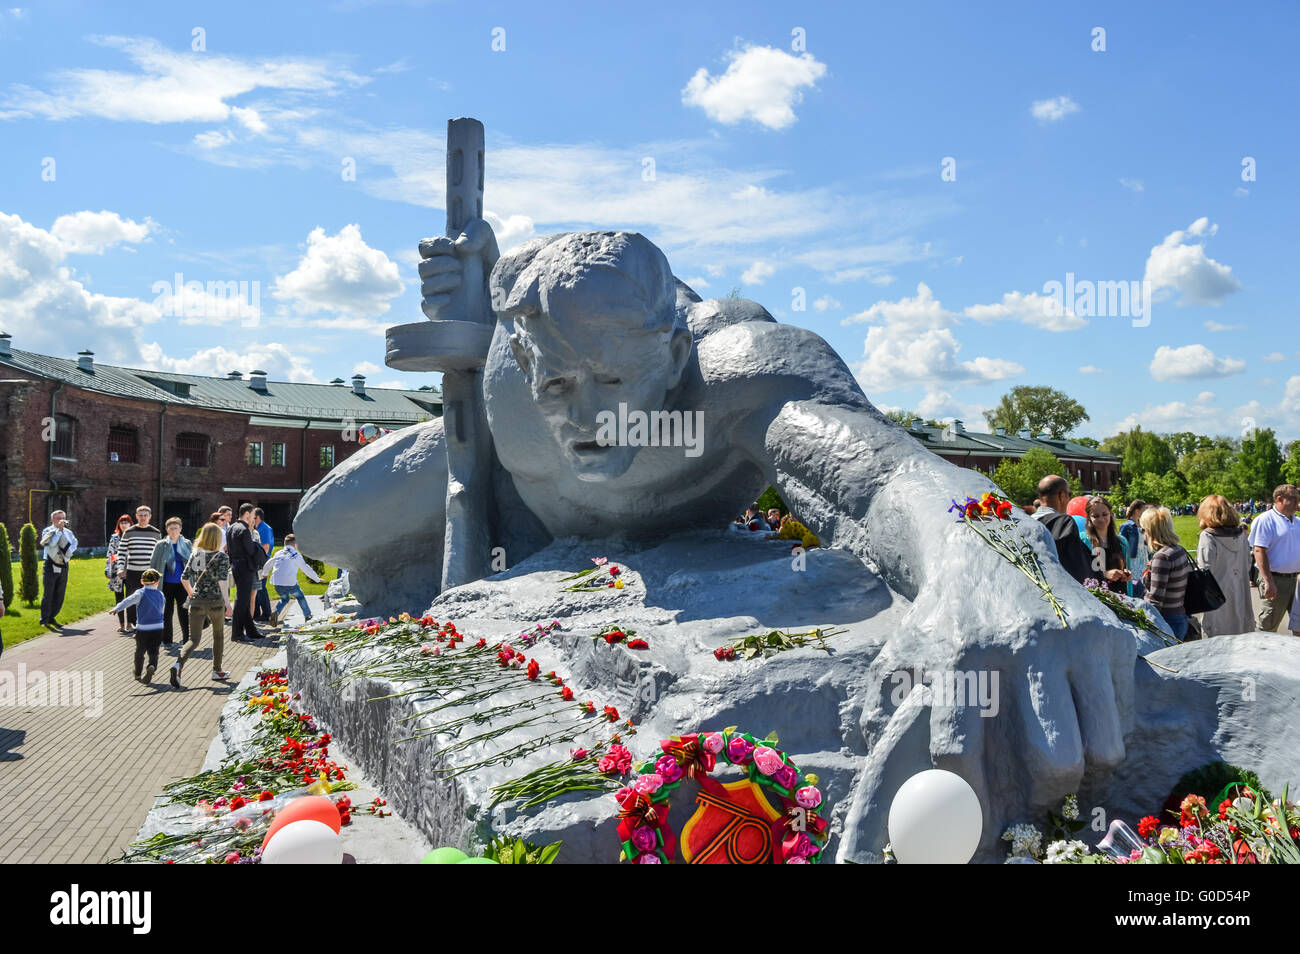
x: 1203, y: 593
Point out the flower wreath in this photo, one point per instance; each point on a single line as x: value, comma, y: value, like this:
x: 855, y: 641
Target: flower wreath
x: 736, y: 822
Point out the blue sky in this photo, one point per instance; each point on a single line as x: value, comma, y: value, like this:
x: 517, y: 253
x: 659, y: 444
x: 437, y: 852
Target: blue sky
x: 793, y: 148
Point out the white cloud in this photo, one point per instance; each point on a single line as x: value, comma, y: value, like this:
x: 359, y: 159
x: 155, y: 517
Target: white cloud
x: 49, y: 310
x: 826, y: 302
x: 762, y: 83
x: 942, y: 406
x: 213, y: 139
x: 171, y: 86
x: 511, y: 230
x: 909, y: 343
x: 1274, y: 357
x: 279, y: 361
x: 714, y: 271
x: 366, y: 367
x: 1092, y: 369
x: 897, y: 356
x: 923, y: 311
x: 697, y: 282
x: 758, y: 273
x: 1179, y: 266
x: 1216, y: 326
x: 1053, y: 110
x: 1134, y: 185
x: 1192, y: 361
x: 91, y: 233
x: 1033, y: 309
x: 340, y: 273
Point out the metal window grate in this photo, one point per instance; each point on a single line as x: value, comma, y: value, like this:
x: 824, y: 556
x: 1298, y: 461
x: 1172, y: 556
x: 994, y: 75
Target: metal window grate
x: 123, y: 445
x: 64, y: 436
x: 192, y: 450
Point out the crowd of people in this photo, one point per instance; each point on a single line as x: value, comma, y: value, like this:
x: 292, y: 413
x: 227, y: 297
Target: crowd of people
x: 1145, y: 558
x: 169, y: 589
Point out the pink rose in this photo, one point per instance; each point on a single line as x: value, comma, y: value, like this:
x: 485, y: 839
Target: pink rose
x: 644, y: 838
x: 796, y: 861
x: 648, y: 859
x: 649, y: 784
x: 622, y: 794
x: 739, y: 750
x: 767, y: 759
x: 785, y: 776
x: 808, y: 797
x: 667, y: 767
x: 713, y: 742
x: 802, y: 847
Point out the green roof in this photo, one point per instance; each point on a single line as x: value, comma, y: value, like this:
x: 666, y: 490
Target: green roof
x: 958, y: 440
x: 278, y: 399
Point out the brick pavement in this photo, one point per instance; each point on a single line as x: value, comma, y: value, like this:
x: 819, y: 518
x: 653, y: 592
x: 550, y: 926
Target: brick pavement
x: 76, y: 789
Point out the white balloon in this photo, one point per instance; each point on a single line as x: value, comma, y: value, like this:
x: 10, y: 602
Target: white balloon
x: 935, y: 819
x: 305, y: 842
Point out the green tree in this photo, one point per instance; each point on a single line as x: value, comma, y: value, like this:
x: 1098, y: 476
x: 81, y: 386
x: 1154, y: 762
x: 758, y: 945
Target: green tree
x: 1291, y: 466
x: 902, y: 416
x: 6, y: 568
x: 769, y: 499
x: 1185, y: 442
x: 1041, y: 409
x: 1209, y: 471
x: 1088, y: 442
x: 1142, y: 452
x: 30, y: 588
x: 1258, y: 467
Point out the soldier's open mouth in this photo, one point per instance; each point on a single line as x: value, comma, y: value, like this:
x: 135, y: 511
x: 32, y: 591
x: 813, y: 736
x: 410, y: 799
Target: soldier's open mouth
x: 586, y: 447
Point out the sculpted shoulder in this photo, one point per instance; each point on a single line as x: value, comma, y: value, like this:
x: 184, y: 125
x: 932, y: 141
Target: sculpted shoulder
x: 740, y: 346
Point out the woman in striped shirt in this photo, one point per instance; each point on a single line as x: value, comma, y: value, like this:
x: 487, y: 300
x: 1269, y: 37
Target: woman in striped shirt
x: 1166, y: 574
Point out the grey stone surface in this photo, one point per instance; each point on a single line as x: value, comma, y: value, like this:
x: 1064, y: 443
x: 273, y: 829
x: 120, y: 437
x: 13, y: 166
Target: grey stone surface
x: 586, y: 322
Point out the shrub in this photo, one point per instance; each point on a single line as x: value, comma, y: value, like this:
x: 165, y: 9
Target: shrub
x: 28, y: 554
x: 6, y: 568
x: 769, y: 499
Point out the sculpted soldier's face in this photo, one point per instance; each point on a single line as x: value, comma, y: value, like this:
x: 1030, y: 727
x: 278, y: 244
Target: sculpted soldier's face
x: 583, y: 363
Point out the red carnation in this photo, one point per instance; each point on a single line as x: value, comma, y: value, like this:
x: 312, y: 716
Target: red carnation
x: 238, y: 802
x: 1148, y: 825
x: 590, y: 707
x: 615, y: 636
x: 618, y: 760
x: 481, y: 643
x: 566, y: 694
x: 723, y: 653
x: 265, y: 797
x: 638, y: 644
x: 614, y: 571
x: 533, y: 668
x: 611, y: 713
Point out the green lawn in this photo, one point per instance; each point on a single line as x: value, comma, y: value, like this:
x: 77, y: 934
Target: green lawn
x: 88, y: 593
x: 1187, y: 531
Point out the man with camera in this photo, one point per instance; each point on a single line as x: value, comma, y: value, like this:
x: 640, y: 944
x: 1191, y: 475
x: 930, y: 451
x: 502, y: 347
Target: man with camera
x: 58, y: 543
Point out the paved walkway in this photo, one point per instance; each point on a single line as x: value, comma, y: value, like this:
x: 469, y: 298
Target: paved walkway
x: 74, y: 785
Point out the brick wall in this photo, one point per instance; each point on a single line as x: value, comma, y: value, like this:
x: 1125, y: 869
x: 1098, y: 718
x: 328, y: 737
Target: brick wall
x: 91, y: 480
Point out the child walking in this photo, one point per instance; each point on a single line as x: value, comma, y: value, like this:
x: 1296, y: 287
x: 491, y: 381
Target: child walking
x: 149, y: 602
x: 283, y: 570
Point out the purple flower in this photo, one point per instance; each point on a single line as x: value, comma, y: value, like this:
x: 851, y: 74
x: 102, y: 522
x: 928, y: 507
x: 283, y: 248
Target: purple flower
x: 785, y: 777
x: 667, y: 766
x: 738, y: 750
x: 644, y: 839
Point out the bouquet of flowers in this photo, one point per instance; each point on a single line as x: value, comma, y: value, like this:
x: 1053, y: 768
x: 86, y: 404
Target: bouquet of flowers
x: 991, y: 517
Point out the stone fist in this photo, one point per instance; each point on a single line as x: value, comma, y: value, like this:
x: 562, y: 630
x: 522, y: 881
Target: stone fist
x: 454, y: 274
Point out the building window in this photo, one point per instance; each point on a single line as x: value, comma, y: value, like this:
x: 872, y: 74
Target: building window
x: 326, y: 456
x: 192, y: 450
x: 123, y: 445
x: 254, y: 453
x: 277, y: 455
x: 64, y: 444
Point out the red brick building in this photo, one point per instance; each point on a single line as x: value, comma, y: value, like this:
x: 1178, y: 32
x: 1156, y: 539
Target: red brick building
x: 1095, y: 469
x: 97, y: 441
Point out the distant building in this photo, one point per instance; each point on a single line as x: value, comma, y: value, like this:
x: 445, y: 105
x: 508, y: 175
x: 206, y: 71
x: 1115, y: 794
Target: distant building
x: 97, y: 441
x: 1095, y: 469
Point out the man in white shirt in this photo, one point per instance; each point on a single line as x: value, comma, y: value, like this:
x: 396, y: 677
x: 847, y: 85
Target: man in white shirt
x: 58, y: 543
x: 1275, y: 537
x: 283, y: 570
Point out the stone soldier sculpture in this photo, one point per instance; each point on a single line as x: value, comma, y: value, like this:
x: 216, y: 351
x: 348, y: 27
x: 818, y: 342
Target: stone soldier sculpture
x: 578, y: 324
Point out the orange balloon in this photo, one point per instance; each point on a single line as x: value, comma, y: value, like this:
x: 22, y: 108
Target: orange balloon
x: 308, y: 808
